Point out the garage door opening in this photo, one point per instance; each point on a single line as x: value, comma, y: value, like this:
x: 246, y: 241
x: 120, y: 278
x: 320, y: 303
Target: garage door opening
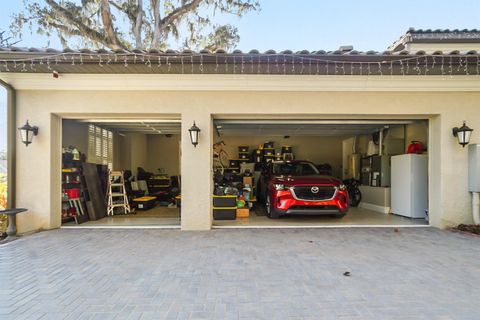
x: 271, y: 173
x: 121, y: 173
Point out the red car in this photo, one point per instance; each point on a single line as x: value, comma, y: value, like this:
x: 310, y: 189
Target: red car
x: 296, y: 187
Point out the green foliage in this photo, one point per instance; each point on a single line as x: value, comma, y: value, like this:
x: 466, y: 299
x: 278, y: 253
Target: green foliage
x: 126, y: 24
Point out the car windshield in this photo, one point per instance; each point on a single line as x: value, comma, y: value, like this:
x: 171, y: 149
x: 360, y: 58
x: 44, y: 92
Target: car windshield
x: 294, y: 169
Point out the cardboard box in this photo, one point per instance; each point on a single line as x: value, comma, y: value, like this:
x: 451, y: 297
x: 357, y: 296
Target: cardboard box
x: 248, y: 180
x: 243, y: 212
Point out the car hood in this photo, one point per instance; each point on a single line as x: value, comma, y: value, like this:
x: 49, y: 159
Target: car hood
x: 306, y: 180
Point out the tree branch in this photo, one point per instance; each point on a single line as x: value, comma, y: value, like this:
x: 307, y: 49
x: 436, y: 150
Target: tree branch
x: 178, y: 13
x: 66, y: 29
x: 137, y: 31
x: 86, y: 31
x: 155, y: 4
x: 108, y: 23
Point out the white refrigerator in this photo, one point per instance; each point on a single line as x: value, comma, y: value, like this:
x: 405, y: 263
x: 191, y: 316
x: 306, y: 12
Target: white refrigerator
x: 409, y: 185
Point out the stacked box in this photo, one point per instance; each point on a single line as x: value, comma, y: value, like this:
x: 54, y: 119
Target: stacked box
x: 225, y: 213
x: 268, y: 145
x: 224, y: 201
x: 286, y: 149
x: 258, y: 156
x: 243, y: 153
x: 243, y: 212
x: 268, y: 152
x: 224, y: 207
x: 234, y: 163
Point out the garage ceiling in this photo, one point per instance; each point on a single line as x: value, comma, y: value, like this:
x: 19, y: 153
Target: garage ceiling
x: 169, y: 126
x: 249, y: 127
x: 303, y: 127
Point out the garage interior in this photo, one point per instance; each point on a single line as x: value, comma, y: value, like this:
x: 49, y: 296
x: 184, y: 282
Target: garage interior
x: 121, y: 172
x: 343, y: 149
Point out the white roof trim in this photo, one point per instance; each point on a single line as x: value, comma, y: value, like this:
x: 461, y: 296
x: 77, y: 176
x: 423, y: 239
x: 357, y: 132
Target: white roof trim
x: 198, y: 82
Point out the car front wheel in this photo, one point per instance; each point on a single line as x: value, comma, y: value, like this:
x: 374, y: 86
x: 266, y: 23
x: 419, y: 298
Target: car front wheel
x: 270, y: 211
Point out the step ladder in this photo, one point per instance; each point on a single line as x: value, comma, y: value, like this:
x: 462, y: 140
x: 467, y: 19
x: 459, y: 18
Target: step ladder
x: 116, y: 194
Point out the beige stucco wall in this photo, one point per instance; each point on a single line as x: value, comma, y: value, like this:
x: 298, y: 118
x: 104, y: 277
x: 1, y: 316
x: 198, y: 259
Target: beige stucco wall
x: 38, y: 165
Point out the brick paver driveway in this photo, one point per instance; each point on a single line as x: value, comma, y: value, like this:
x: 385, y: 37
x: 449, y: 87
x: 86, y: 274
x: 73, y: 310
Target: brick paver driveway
x: 241, y: 274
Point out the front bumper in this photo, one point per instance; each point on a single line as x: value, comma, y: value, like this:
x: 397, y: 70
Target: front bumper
x: 285, y: 203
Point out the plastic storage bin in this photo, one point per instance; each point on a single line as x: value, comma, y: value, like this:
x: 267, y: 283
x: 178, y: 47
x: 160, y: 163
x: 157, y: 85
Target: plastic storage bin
x: 224, y: 201
x: 224, y: 213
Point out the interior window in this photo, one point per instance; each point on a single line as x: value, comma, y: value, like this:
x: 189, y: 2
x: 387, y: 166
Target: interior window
x: 100, y: 146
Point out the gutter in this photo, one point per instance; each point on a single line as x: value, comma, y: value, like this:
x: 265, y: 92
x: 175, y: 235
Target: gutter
x: 11, y: 142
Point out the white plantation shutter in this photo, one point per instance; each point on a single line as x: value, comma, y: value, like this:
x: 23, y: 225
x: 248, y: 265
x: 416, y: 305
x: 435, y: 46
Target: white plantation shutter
x: 110, y: 150
x: 91, y: 155
x: 100, y: 146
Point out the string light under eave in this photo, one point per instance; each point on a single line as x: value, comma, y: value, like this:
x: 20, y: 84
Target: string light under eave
x: 286, y: 64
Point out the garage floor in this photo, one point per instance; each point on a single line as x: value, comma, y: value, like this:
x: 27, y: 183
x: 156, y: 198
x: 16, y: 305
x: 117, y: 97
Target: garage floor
x: 158, y: 216
x: 355, y: 216
x: 170, y: 217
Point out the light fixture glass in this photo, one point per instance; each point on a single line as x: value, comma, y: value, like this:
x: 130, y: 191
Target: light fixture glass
x: 27, y: 132
x: 463, y: 134
x: 194, y: 130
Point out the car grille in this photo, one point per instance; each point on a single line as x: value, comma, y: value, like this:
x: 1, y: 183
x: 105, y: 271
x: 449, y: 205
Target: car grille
x: 310, y: 208
x: 305, y: 193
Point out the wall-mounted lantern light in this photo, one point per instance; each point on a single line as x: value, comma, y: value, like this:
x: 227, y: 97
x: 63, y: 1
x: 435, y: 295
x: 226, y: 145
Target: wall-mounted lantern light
x: 194, y: 130
x: 27, y: 132
x: 463, y: 134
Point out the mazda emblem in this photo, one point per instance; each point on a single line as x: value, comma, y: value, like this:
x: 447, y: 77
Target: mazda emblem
x: 315, y: 189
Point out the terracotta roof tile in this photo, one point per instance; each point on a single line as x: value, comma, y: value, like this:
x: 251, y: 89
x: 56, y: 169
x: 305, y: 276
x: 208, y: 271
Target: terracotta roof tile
x: 223, y: 52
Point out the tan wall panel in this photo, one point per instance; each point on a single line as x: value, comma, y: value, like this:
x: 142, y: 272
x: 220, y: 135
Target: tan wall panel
x: 75, y: 134
x: 319, y: 150
x: 164, y: 153
x: 138, y: 151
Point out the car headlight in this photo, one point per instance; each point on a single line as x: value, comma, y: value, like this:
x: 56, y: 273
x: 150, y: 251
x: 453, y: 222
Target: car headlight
x: 279, y: 186
x: 342, y: 187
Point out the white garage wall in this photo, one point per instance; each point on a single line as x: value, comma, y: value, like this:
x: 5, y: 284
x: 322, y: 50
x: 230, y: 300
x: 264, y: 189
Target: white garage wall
x: 75, y: 134
x: 122, y: 157
x: 316, y: 149
x: 163, y: 153
x: 148, y: 151
x: 138, y: 149
x: 417, y: 132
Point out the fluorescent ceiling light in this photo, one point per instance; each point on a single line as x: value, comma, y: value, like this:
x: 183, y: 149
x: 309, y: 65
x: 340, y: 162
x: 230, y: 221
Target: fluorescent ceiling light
x: 131, y: 121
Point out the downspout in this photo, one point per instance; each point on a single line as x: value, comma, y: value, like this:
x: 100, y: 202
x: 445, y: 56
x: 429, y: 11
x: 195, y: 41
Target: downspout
x: 11, y: 141
x: 476, y: 207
